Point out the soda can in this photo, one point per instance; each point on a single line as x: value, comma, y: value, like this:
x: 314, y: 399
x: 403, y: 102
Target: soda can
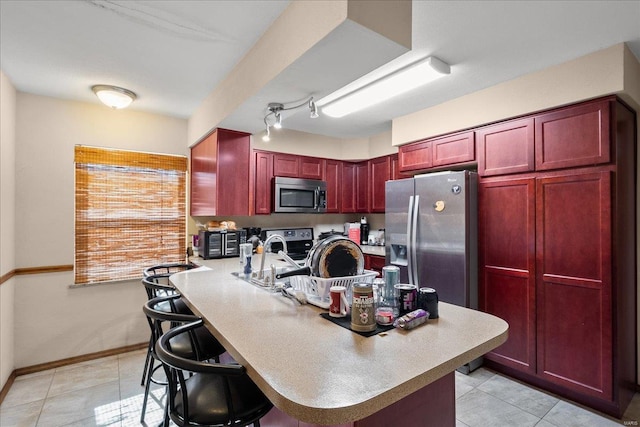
x: 407, y: 297
x: 428, y: 301
x: 363, y: 308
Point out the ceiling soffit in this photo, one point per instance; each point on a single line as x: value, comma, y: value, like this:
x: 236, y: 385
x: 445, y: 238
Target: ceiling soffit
x: 299, y: 55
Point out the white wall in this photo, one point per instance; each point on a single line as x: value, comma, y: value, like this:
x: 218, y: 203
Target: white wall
x: 53, y: 321
x: 307, y: 144
x: 7, y: 224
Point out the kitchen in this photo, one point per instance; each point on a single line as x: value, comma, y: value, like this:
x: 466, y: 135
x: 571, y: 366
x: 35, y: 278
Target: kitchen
x: 40, y: 131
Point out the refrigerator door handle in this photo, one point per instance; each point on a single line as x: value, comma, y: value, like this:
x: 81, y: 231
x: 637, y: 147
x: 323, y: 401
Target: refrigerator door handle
x: 413, y: 265
x: 409, y: 239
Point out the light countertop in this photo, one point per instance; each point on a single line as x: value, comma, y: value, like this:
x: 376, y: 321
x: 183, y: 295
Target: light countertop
x: 319, y: 372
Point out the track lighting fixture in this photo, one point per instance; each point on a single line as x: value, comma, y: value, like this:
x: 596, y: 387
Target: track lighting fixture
x: 275, y: 109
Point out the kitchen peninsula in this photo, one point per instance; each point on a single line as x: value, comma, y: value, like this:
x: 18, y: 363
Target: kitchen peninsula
x: 319, y: 373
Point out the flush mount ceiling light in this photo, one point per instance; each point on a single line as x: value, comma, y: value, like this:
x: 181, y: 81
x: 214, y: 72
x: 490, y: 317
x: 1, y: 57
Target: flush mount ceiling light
x: 394, y: 84
x: 114, y: 96
x: 275, y: 109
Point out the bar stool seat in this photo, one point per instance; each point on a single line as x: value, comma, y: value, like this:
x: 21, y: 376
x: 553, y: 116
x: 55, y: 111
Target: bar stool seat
x: 198, y: 344
x: 208, y: 394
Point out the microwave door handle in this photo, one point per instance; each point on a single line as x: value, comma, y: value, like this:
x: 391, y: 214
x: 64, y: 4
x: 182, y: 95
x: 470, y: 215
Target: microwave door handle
x: 316, y: 199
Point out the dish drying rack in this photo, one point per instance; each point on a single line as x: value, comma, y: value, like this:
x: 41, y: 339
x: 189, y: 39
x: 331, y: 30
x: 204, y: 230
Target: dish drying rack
x: 317, y: 288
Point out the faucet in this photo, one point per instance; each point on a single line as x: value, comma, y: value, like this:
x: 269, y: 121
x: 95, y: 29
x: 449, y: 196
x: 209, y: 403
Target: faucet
x: 265, y: 246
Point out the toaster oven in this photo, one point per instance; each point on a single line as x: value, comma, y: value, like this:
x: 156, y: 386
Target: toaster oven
x: 220, y: 244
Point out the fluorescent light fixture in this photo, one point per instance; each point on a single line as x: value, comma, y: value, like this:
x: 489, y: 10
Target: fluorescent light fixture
x: 114, y: 96
x: 399, y: 82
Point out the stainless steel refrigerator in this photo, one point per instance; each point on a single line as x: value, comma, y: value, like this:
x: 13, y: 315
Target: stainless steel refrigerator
x: 431, y: 233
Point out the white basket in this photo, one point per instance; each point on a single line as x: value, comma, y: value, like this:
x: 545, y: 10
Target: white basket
x: 317, y: 288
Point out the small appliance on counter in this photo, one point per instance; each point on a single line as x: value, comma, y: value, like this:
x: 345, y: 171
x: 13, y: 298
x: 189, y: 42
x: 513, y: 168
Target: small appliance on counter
x: 221, y: 243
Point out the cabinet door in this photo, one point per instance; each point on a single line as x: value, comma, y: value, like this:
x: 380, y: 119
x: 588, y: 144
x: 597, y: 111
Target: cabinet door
x: 575, y: 136
x: 573, y: 284
x: 380, y: 171
x: 506, y: 247
x: 311, y: 167
x: 506, y: 148
x: 348, y: 186
x: 234, y: 157
x: 286, y: 165
x: 332, y: 170
x: 204, y: 166
x: 374, y: 263
x: 362, y: 187
x: 452, y: 149
x: 263, y: 182
x: 415, y: 156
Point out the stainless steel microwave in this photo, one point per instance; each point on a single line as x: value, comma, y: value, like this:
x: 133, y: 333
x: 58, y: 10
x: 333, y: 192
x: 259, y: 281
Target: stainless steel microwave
x: 295, y: 195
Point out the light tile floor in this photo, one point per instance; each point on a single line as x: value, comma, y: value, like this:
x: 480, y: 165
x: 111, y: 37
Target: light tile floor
x: 107, y: 392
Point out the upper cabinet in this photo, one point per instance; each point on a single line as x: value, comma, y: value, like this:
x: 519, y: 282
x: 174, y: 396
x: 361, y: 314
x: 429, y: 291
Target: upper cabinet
x: 332, y: 175
x: 263, y: 177
x: 380, y: 171
x: 220, y: 174
x: 574, y: 136
x: 506, y: 148
x: 562, y: 138
x: 437, y: 152
x: 293, y: 166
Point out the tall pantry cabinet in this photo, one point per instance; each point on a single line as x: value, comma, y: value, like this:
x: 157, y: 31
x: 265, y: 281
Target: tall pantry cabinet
x: 557, y: 245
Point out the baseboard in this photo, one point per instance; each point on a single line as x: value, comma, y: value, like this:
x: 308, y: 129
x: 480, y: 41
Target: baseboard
x: 7, y: 385
x: 65, y: 362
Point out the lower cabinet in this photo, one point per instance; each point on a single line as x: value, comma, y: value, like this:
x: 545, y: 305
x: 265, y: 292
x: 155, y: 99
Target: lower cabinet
x: 506, y: 219
x: 546, y: 246
x: 374, y: 263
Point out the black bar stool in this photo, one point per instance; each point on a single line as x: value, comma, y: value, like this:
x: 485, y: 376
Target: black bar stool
x: 208, y: 394
x: 199, y: 344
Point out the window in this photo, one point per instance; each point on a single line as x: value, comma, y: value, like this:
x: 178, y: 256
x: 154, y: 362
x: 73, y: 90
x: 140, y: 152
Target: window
x: 130, y: 212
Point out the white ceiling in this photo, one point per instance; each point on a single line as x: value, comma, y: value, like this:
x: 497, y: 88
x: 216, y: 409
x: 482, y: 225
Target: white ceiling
x: 174, y: 53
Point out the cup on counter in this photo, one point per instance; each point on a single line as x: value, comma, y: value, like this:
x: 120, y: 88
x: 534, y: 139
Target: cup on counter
x: 338, y: 305
x: 407, y: 297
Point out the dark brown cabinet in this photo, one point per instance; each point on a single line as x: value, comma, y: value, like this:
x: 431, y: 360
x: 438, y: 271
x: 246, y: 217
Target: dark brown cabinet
x: 506, y: 148
x: 294, y: 166
x: 574, y: 136
x: 453, y: 149
x: 220, y: 170
x: 573, y: 249
x: 287, y: 165
x: 374, y: 263
x: 311, y: 167
x: 415, y: 156
x: 380, y: 171
x: 458, y: 148
x: 557, y: 257
x: 332, y: 170
x: 348, y: 187
x: 263, y: 177
x: 563, y: 138
x: 506, y: 218
x: 362, y: 187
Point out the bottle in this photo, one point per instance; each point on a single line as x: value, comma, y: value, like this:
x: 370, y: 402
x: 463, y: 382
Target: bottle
x: 364, y: 231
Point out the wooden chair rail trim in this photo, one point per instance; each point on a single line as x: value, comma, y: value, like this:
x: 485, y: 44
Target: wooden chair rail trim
x: 35, y: 270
